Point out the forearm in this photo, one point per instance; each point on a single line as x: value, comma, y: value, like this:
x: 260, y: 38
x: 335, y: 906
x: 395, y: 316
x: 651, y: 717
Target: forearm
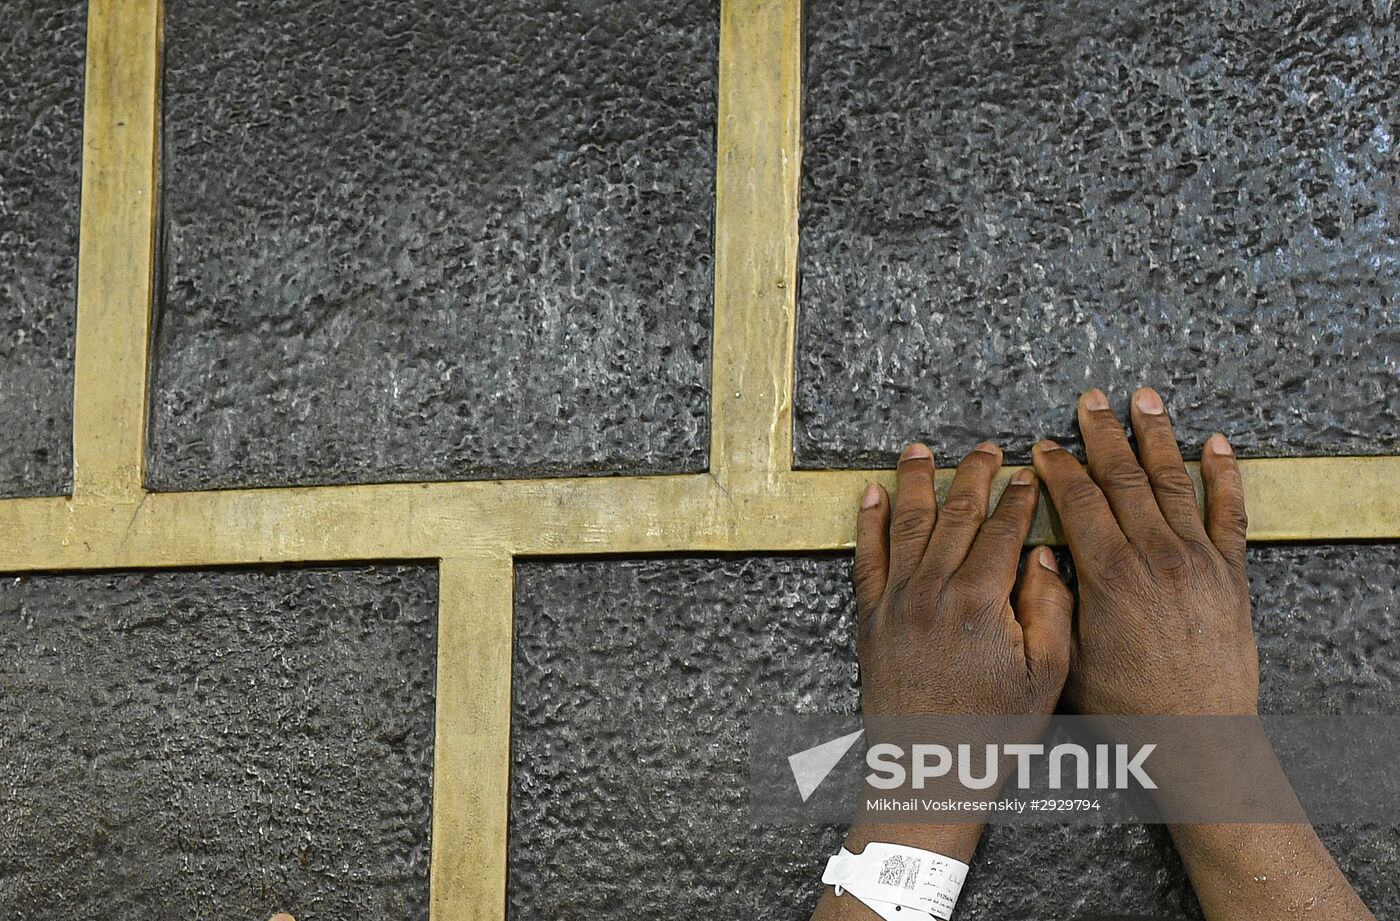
x: 1264, y: 872
x: 956, y: 841
x: 1261, y: 872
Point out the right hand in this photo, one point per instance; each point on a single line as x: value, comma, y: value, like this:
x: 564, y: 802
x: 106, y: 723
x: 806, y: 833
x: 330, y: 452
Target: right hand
x: 1164, y: 624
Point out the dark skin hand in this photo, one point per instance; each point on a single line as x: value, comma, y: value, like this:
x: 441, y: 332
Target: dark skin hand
x: 945, y: 625
x: 934, y: 586
x: 1163, y: 627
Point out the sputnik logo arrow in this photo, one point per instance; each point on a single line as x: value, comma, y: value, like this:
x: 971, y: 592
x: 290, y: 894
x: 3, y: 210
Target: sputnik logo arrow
x: 810, y: 766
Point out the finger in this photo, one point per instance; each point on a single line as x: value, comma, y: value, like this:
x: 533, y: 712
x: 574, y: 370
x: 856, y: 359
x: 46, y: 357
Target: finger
x: 915, y: 510
x: 1115, y: 468
x: 1045, y: 610
x: 990, y: 565
x: 1088, y: 522
x: 872, y: 563
x: 963, y: 511
x: 1166, y: 471
x: 1226, y: 520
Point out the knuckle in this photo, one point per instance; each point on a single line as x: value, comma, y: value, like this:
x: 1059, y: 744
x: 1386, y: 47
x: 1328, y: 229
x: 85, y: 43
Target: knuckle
x: 1081, y: 492
x: 963, y: 587
x: 1201, y: 552
x: 1169, y: 561
x: 970, y: 598
x: 897, y: 588
x: 1123, y: 476
x: 1234, y: 518
x: 988, y: 609
x: 865, y: 572
x: 909, y: 524
x: 1121, y: 562
x: 1173, y: 481
x: 1002, y: 530
x: 962, y: 508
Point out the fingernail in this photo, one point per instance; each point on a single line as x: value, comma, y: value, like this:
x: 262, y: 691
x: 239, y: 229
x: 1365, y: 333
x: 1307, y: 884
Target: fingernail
x: 1147, y: 401
x: 871, y: 497
x: 1095, y: 400
x: 1045, y: 444
x: 915, y: 452
x: 1046, y: 557
x: 987, y: 447
x: 1022, y: 477
x: 1217, y: 444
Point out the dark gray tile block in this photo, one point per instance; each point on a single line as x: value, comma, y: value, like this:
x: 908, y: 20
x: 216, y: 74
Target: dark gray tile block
x: 434, y: 240
x: 217, y: 745
x: 41, y: 139
x: 635, y: 681
x: 1007, y: 203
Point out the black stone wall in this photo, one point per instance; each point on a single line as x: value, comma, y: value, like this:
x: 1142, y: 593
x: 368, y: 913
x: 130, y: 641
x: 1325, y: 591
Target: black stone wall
x: 444, y: 240
x: 41, y: 132
x: 1006, y: 203
x: 434, y: 241
x: 635, y: 680
x: 217, y: 745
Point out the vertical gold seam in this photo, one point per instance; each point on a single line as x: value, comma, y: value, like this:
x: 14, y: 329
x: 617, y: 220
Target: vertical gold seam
x: 116, y: 247
x: 758, y: 158
x: 471, y: 754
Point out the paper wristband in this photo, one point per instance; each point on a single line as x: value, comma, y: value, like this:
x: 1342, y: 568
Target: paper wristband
x: 897, y: 875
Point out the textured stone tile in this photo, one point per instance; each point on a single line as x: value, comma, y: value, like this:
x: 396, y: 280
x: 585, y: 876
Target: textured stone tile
x: 434, y: 240
x: 633, y: 684
x: 1007, y: 203
x: 41, y: 131
x: 217, y: 745
x: 635, y: 681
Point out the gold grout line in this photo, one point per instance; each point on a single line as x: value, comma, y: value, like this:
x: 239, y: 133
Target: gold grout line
x: 116, y: 247
x: 758, y: 160
x: 1320, y: 498
x: 471, y: 739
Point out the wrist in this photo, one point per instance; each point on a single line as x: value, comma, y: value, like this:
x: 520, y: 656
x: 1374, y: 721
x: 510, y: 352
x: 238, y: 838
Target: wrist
x: 957, y: 841
x: 1216, y: 770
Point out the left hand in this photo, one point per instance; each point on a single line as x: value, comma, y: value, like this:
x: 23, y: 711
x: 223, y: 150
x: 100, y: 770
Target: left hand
x: 938, y: 632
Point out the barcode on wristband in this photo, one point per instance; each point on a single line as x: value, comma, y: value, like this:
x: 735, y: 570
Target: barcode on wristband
x: 900, y: 870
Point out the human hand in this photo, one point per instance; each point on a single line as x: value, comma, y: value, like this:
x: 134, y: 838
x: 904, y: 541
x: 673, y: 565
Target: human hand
x: 938, y: 633
x: 1164, y: 625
